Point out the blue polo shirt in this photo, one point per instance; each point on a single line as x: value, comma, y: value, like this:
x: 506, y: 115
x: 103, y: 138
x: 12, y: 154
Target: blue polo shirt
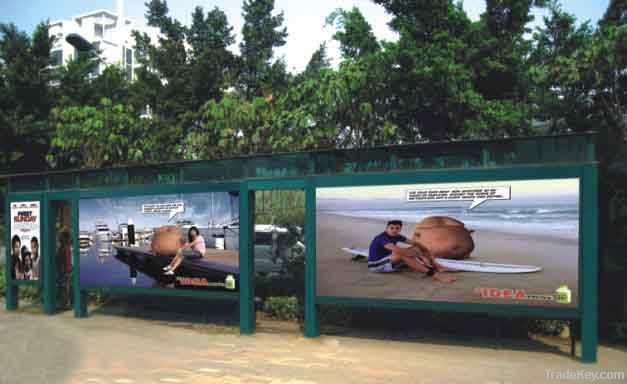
x: 377, y: 250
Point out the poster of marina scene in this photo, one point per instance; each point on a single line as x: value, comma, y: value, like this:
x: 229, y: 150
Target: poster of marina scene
x: 182, y: 241
x: 503, y: 242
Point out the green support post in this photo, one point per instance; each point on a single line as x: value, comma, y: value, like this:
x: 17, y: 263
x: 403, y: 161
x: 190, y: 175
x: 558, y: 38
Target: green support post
x: 80, y: 298
x: 589, y: 301
x: 311, y: 315
x: 246, y: 265
x: 49, y: 267
x: 485, y: 157
x: 11, y: 294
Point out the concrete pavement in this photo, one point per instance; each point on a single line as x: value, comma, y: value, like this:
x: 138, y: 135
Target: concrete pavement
x: 110, y: 347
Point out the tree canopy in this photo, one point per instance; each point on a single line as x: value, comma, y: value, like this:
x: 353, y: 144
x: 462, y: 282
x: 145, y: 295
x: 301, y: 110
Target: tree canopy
x: 194, y: 95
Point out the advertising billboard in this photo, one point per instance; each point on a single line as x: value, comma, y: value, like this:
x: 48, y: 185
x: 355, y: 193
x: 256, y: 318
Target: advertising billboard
x: 25, y: 240
x: 180, y: 241
x: 503, y: 242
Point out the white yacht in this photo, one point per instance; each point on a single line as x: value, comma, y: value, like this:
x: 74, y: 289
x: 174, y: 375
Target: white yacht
x: 102, y: 231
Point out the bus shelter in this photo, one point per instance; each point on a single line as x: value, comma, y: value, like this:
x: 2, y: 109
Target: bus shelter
x: 517, y: 216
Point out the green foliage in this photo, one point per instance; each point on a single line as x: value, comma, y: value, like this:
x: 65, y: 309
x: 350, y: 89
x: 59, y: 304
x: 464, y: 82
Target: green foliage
x: 97, y: 297
x: 261, y: 33
x: 579, y: 78
x: 282, y: 307
x: 319, y: 60
x: 101, y: 135
x: 547, y: 327
x: 354, y: 33
x: 25, y: 99
x: 616, y: 13
x: 446, y: 77
x: 30, y: 293
x: 618, y: 331
x: 281, y: 207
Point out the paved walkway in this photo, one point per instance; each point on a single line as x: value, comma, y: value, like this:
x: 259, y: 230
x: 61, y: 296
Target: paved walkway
x: 113, y: 348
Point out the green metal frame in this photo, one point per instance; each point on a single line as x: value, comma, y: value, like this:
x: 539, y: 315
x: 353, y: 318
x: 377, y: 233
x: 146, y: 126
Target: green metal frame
x: 587, y: 306
x: 251, y: 187
x: 586, y: 172
x: 81, y: 290
x: 80, y: 303
x: 12, y: 285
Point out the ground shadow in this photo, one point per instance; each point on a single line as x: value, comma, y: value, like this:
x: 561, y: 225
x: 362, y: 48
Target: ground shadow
x: 453, y: 329
x: 175, y: 311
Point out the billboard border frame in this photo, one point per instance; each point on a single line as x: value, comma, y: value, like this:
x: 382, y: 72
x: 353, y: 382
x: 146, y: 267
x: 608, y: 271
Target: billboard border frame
x: 586, y: 310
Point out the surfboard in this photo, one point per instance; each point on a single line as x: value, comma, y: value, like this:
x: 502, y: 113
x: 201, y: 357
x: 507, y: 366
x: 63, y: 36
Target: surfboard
x: 463, y: 265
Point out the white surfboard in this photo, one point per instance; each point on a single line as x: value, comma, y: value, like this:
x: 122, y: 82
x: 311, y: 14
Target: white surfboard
x: 464, y: 265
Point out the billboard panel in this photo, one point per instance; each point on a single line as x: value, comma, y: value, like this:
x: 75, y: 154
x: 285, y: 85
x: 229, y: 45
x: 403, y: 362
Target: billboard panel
x: 503, y: 242
x: 25, y: 240
x: 182, y: 241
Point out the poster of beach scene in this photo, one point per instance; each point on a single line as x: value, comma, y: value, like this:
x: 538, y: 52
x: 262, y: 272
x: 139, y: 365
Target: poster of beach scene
x: 503, y: 242
x: 118, y: 248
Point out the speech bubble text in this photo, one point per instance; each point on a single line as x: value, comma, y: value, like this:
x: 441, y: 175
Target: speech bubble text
x: 477, y: 195
x: 172, y: 209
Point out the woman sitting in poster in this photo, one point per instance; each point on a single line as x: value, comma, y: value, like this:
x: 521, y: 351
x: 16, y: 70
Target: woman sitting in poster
x: 193, y: 249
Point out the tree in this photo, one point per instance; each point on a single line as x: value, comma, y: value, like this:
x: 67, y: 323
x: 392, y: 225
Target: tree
x: 580, y: 78
x: 354, y: 33
x: 500, y: 49
x: 211, y: 62
x: 233, y: 126
x: 616, y: 13
x: 563, y: 97
x: 74, y: 81
x: 96, y: 136
x: 429, y: 75
x: 24, y: 97
x: 318, y: 61
x: 175, y: 81
x: 261, y: 34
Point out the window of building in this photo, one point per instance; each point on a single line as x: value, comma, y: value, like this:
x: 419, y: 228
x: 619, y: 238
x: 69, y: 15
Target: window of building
x: 127, y: 56
x: 56, y: 57
x: 98, y: 30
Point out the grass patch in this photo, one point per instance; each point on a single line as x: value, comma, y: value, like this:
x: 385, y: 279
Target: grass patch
x: 282, y: 307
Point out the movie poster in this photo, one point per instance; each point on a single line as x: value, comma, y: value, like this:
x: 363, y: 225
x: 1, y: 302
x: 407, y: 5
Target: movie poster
x: 179, y: 241
x: 25, y: 240
x: 502, y: 242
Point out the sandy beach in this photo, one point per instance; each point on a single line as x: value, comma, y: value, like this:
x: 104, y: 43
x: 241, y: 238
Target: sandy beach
x: 338, y: 276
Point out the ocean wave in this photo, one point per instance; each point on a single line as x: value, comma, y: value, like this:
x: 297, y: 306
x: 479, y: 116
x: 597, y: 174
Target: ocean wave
x: 556, y: 222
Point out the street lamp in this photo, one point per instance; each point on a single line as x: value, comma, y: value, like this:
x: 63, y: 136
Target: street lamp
x: 79, y: 42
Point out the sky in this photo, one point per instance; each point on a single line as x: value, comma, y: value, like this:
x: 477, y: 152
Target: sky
x: 305, y: 20
x: 537, y: 193
x: 200, y: 208
x: 519, y: 189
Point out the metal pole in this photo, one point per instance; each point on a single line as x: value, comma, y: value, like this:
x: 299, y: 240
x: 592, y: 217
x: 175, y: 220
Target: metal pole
x: 311, y: 315
x: 589, y: 273
x: 246, y: 264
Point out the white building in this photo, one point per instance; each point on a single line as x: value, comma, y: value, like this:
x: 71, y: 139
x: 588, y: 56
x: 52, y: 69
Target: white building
x: 108, y: 32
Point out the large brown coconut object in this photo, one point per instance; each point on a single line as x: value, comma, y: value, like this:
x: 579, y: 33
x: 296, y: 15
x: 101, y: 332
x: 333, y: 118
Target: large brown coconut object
x: 167, y: 240
x: 445, y: 237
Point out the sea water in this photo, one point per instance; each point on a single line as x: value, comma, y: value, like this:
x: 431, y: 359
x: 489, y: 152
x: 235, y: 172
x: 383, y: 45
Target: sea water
x: 560, y: 221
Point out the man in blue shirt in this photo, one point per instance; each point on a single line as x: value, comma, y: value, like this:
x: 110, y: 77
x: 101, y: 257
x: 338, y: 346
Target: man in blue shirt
x: 385, y: 256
